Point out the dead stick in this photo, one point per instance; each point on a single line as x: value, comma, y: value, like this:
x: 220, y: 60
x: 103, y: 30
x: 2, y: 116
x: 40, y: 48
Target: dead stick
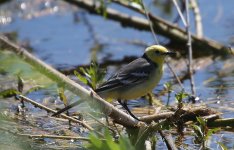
x: 167, y: 137
x: 198, y: 18
x: 189, y: 114
x: 156, y: 117
x: 227, y: 122
x: 190, y: 50
x: 54, y: 111
x: 46, y: 135
x: 55, y: 137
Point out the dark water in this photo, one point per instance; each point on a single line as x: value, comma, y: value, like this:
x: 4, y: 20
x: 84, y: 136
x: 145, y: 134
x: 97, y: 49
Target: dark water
x: 64, y: 36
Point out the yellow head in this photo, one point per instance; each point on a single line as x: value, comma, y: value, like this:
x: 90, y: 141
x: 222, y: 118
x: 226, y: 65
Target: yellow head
x: 157, y: 53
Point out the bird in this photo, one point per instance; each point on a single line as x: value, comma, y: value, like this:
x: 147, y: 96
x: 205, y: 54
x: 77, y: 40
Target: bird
x: 134, y: 80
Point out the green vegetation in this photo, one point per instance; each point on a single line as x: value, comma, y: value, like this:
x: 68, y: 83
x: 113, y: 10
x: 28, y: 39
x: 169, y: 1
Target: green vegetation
x: 202, y: 133
x: 91, y: 76
x: 97, y: 143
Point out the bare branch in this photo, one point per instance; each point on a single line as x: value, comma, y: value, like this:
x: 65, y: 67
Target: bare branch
x: 55, y: 137
x: 150, y: 24
x: 168, y: 140
x: 190, y: 50
x: 198, y: 18
x: 180, y: 12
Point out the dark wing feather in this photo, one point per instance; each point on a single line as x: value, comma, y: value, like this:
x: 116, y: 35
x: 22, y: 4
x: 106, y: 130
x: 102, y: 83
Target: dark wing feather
x: 134, y: 73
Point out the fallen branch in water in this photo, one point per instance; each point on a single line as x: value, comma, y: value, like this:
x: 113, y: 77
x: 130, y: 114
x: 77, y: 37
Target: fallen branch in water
x: 125, y: 60
x: 225, y: 122
x: 162, y: 27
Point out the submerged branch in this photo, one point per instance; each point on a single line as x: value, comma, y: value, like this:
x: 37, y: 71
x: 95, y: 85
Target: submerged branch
x: 227, y: 122
x: 162, y: 27
x: 104, y: 64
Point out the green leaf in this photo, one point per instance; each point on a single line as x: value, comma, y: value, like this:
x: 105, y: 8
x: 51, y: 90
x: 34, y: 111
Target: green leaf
x: 210, y: 132
x: 180, y: 96
x: 168, y: 86
x: 201, y: 121
x: 81, y: 78
x: 109, y: 144
x: 62, y: 96
x: 139, y: 2
x: 125, y: 144
x: 198, y: 131
x: 9, y: 93
x: 91, y: 76
x: 96, y: 143
x: 109, y: 141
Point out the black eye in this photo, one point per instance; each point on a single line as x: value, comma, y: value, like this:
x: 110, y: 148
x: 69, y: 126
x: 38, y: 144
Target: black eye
x: 157, y: 52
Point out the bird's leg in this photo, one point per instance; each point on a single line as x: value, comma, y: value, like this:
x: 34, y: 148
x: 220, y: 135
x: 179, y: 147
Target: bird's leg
x: 150, y: 99
x: 125, y: 106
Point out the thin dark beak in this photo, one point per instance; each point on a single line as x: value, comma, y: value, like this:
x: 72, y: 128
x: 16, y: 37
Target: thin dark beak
x: 170, y: 53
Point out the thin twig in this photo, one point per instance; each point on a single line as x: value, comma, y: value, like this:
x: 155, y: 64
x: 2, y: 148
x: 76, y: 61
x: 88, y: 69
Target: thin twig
x: 212, y: 117
x: 54, y: 111
x: 55, y: 137
x: 190, y: 51
x: 198, y: 18
x: 180, y: 12
x: 156, y: 117
x: 189, y: 43
x: 45, y: 135
x: 175, y: 75
x: 150, y: 23
x: 157, y: 42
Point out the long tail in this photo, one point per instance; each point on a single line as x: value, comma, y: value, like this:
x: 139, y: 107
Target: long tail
x: 68, y: 107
